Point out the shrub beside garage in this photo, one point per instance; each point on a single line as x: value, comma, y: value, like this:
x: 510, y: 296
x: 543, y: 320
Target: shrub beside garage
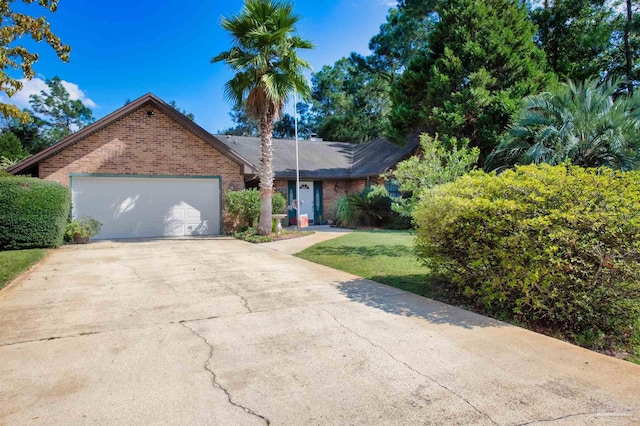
x: 34, y: 213
x: 550, y: 246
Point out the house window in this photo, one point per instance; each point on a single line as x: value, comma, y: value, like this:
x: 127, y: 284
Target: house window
x: 393, y: 187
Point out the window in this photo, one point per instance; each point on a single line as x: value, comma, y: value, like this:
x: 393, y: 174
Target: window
x: 393, y: 187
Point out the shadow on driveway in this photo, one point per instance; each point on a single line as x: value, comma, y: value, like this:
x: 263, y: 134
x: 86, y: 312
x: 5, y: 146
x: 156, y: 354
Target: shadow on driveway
x: 399, y: 302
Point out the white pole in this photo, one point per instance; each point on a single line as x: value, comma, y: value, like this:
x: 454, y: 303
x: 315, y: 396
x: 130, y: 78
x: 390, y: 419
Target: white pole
x: 295, y: 121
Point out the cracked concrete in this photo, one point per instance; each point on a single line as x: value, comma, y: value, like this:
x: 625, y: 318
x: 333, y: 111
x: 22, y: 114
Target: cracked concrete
x: 207, y: 366
x: 411, y: 368
x: 218, y: 331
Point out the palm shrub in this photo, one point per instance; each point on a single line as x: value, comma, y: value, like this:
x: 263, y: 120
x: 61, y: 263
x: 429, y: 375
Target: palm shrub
x: 372, y: 208
x: 368, y: 208
x: 580, y: 122
x: 557, y: 246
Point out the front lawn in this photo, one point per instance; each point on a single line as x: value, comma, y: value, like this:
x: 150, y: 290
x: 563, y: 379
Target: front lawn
x: 383, y: 256
x: 13, y: 262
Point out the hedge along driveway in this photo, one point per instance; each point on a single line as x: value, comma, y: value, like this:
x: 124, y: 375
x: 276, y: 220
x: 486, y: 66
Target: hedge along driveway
x: 34, y: 213
x: 219, y: 331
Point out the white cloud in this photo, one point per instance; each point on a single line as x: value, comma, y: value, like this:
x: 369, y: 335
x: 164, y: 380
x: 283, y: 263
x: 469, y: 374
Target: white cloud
x: 36, y: 85
x: 76, y: 93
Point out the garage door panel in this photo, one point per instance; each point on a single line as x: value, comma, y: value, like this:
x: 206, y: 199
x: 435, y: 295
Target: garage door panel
x: 131, y: 207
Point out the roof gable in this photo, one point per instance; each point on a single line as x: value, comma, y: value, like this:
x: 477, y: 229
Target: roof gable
x: 142, y: 102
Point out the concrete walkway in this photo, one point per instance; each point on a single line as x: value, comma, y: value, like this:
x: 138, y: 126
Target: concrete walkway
x: 218, y: 331
x: 296, y: 245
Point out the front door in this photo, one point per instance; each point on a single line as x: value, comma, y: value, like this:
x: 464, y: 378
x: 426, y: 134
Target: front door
x: 306, y: 199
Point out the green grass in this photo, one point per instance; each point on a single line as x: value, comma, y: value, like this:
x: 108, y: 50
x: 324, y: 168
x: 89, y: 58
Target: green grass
x: 383, y: 256
x: 14, y: 262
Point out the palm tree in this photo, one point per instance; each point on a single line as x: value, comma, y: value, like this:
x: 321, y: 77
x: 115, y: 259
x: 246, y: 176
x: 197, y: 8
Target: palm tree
x: 268, y: 70
x: 580, y: 122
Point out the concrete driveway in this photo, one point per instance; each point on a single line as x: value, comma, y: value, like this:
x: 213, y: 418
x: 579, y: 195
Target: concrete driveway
x: 218, y: 331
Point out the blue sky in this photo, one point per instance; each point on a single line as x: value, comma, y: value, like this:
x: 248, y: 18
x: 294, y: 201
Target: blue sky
x: 124, y: 49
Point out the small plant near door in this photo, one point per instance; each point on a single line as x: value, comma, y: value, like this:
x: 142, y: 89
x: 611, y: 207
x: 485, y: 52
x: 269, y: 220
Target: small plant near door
x: 81, y: 230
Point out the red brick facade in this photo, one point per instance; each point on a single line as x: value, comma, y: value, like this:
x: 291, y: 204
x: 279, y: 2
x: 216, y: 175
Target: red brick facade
x: 143, y: 144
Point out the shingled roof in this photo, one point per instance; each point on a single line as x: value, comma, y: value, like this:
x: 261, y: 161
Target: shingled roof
x: 324, y: 160
x: 318, y: 160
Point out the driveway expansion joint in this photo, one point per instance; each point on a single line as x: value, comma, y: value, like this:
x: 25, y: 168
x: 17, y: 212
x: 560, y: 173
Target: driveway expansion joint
x: 214, y: 378
x: 452, y: 392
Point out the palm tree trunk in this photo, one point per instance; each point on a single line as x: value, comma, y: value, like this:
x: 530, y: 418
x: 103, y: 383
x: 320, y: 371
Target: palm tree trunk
x: 627, y: 48
x: 265, y: 173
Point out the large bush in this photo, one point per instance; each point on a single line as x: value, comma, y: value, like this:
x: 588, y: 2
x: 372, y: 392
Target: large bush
x: 553, y: 246
x: 33, y: 214
x: 243, y: 207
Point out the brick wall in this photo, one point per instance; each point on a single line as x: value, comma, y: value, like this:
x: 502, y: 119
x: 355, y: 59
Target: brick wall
x: 142, y: 144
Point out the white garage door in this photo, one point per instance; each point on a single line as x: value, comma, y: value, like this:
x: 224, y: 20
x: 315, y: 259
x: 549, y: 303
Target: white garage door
x: 140, y: 207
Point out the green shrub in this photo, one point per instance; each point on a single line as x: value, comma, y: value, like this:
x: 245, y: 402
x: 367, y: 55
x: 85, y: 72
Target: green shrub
x: 278, y: 203
x: 243, y: 206
x: 344, y: 212
x: 553, y: 246
x: 33, y: 214
x: 371, y: 207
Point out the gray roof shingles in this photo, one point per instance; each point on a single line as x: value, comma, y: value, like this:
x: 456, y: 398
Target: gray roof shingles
x: 324, y: 160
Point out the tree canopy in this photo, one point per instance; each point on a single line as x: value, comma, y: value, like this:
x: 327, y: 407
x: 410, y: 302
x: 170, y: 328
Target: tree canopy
x: 14, y: 56
x: 462, y: 68
x: 57, y: 114
x: 480, y: 63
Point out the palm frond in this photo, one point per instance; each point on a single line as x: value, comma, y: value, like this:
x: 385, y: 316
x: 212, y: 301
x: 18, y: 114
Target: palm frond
x: 580, y: 122
x: 264, y: 56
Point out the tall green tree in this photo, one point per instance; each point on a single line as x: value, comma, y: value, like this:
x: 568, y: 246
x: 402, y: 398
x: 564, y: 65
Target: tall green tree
x: 268, y: 70
x: 624, y: 57
x: 174, y: 105
x: 243, y: 125
x: 28, y: 133
x: 480, y: 62
x: 11, y: 147
x: 14, y: 56
x: 349, y: 104
x: 57, y: 114
x: 580, y: 122
x: 404, y: 33
x: 576, y: 36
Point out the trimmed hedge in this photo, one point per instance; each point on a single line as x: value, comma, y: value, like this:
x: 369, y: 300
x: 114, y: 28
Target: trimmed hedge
x: 550, y: 246
x: 34, y: 213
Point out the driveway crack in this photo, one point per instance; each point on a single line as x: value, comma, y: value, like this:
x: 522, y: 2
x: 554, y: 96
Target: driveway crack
x: 466, y: 401
x: 214, y: 379
x: 613, y: 414
x: 245, y: 302
x: 141, y: 279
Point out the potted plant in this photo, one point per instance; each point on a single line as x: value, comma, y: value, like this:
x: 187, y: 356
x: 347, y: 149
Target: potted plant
x: 81, y: 230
